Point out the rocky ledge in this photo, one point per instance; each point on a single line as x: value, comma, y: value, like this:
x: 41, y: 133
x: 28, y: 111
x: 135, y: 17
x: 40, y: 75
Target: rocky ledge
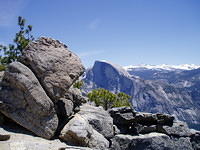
x: 40, y: 109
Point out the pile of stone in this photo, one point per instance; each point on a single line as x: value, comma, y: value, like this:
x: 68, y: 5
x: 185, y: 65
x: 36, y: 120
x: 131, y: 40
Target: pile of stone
x: 37, y: 93
x: 138, y: 131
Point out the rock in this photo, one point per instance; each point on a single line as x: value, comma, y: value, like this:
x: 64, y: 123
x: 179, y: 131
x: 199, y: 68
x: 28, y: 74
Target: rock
x: 54, y: 65
x: 1, y: 118
x: 79, y: 132
x: 116, y: 130
x: 154, y: 141
x: 1, y: 74
x: 165, y: 119
x: 4, y: 137
x: 23, y: 100
x: 122, y: 115
x: 148, y: 129
x: 130, y: 122
x: 179, y: 129
x: 153, y: 119
x: 21, y: 139
x: 123, y: 118
x: 171, y: 91
x: 74, y: 148
x: 195, y: 139
x: 65, y: 108
x: 76, y: 96
x: 100, y: 119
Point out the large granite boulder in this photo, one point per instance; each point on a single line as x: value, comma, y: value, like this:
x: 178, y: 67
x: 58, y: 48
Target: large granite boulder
x: 56, y: 67
x: 153, y: 141
x: 79, y: 132
x: 75, y: 95
x: 98, y: 118
x: 65, y: 108
x: 21, y: 139
x: 23, y: 99
x: 122, y: 115
x: 179, y: 129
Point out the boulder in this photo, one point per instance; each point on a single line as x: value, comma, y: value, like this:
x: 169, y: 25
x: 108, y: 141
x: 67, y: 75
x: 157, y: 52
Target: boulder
x: 55, y: 66
x: 179, y: 129
x: 147, y: 129
x: 122, y: 115
x: 21, y: 139
x: 195, y: 139
x: 4, y: 137
x: 79, y: 132
x: 153, y: 119
x: 123, y: 118
x: 2, y: 119
x: 64, y: 108
x: 75, y: 95
x: 131, y: 122
x: 23, y: 99
x: 74, y: 148
x: 154, y: 141
x: 100, y: 119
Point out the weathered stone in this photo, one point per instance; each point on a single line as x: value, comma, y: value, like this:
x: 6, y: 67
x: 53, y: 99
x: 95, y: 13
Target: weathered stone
x: 54, y: 65
x: 165, y: 119
x: 154, y: 141
x: 76, y: 96
x: 116, y: 130
x: 122, y: 115
x: 64, y: 108
x: 74, y: 148
x: 98, y: 118
x: 153, y: 119
x: 1, y: 119
x: 178, y: 129
x: 146, y: 118
x: 79, y: 132
x: 123, y: 118
x: 23, y: 100
x: 148, y: 129
x: 21, y: 139
x: 4, y: 137
x: 195, y: 139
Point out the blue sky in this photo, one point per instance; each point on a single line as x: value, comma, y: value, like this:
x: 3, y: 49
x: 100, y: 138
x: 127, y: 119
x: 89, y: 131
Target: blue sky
x: 125, y: 32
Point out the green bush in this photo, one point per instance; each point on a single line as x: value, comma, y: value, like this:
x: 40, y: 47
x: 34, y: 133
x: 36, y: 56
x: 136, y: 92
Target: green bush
x: 2, y: 67
x: 107, y: 99
x: 78, y: 84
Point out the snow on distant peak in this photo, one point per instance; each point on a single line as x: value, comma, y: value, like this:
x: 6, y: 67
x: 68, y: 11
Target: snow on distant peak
x: 163, y: 67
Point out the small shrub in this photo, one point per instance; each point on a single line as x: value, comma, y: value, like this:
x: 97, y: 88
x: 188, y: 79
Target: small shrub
x: 78, y: 84
x: 107, y: 99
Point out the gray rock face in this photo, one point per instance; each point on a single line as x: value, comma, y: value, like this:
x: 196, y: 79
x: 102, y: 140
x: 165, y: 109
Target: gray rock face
x: 21, y: 139
x: 179, y: 129
x: 54, y: 65
x: 65, y: 108
x: 79, y: 132
x: 98, y: 118
x: 122, y: 115
x: 75, y: 95
x: 171, y: 93
x: 154, y: 141
x: 4, y: 137
x: 1, y: 119
x: 23, y: 100
x: 131, y: 122
x: 151, y: 131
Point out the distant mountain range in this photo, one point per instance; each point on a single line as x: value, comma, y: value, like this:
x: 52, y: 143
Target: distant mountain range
x: 163, y: 67
x: 156, y: 89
